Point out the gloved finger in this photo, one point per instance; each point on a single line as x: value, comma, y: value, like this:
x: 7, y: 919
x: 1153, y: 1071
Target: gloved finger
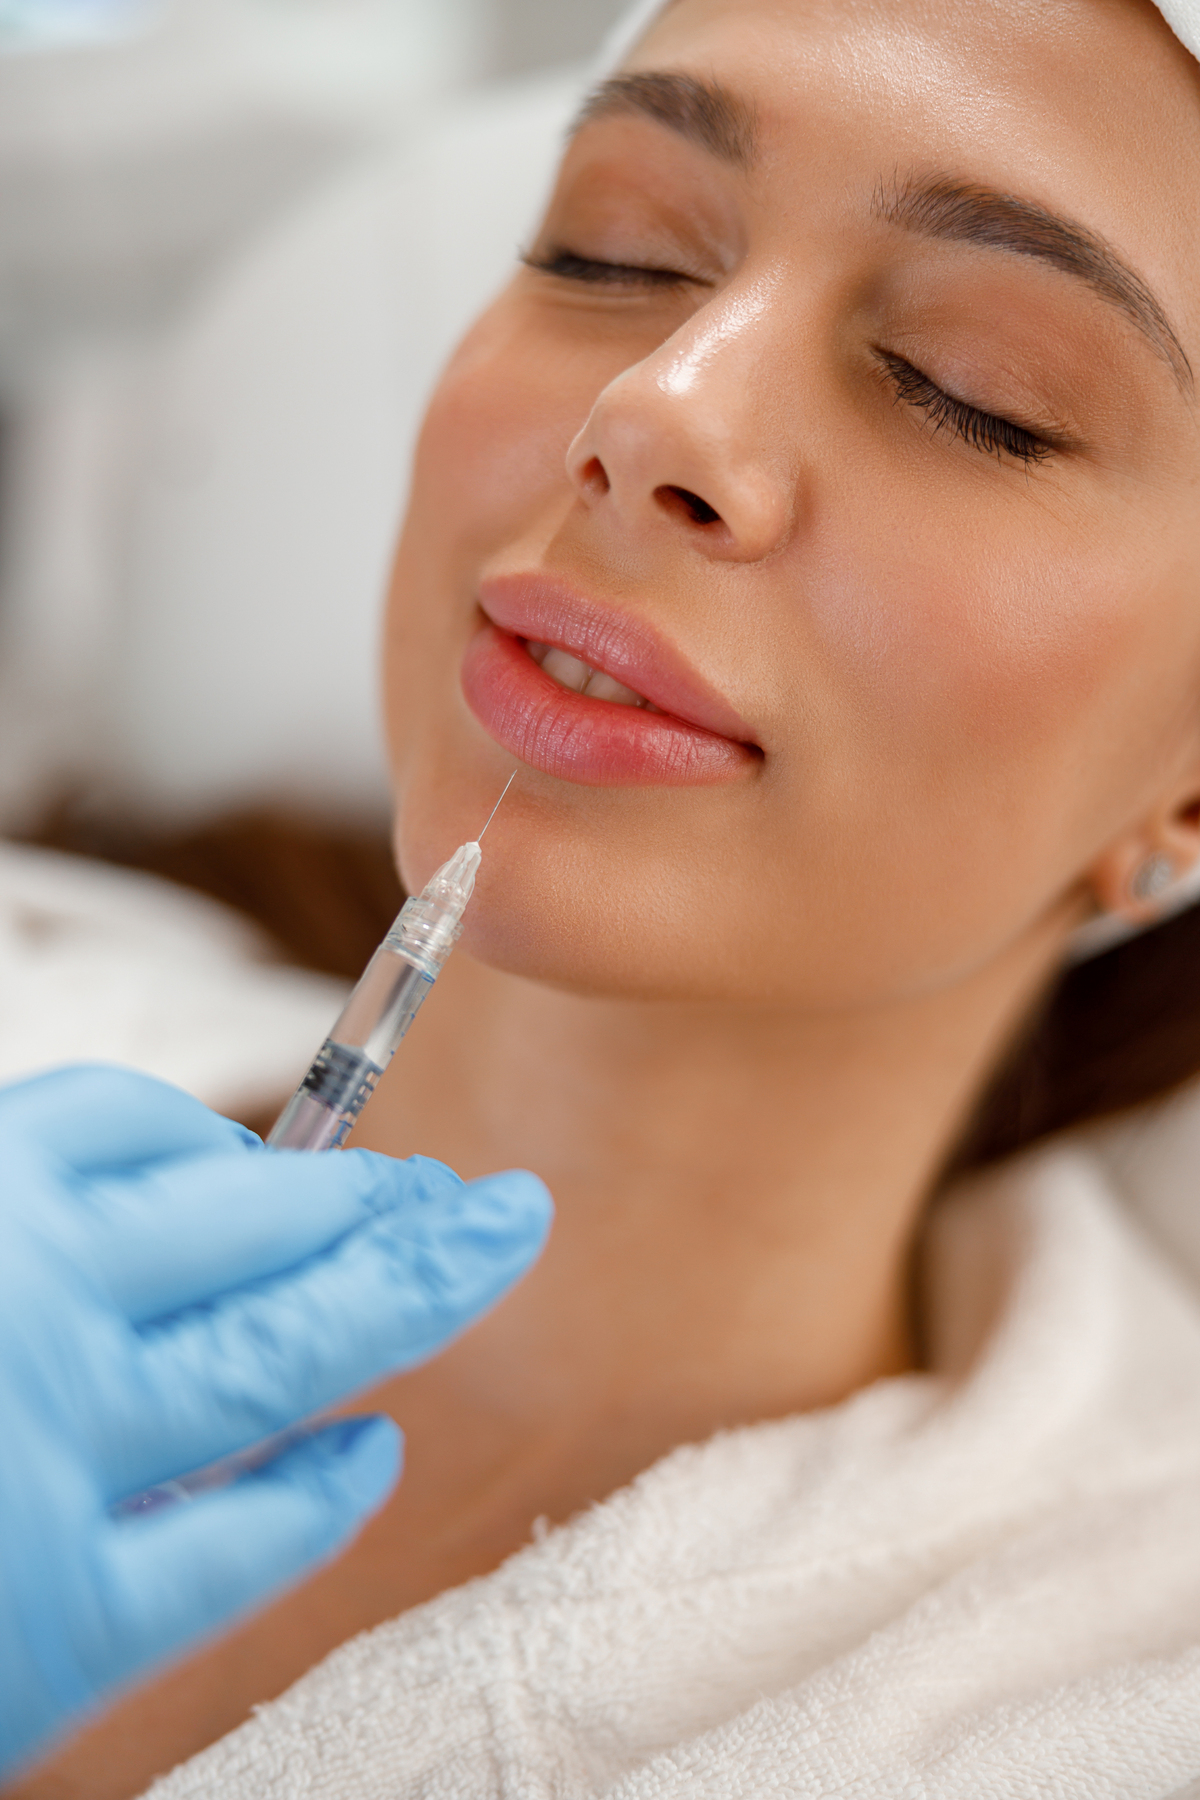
x: 182, y: 1573
x: 96, y: 1117
x: 216, y: 1379
x: 177, y: 1234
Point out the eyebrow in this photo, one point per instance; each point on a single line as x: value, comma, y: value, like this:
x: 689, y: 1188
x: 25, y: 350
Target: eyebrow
x: 722, y: 123
x: 702, y: 111
x: 966, y: 213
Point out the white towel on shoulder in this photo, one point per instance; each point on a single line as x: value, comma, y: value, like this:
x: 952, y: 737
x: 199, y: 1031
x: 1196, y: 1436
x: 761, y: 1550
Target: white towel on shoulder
x: 982, y: 1580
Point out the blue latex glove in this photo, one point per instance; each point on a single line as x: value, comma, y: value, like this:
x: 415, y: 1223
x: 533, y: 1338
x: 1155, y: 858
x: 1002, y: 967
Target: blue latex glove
x: 171, y: 1292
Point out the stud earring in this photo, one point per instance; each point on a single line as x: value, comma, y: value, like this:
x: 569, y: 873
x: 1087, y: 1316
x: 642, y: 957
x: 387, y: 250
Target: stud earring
x: 1153, y: 876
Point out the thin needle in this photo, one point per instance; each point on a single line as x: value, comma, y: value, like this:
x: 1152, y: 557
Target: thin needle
x: 496, y: 808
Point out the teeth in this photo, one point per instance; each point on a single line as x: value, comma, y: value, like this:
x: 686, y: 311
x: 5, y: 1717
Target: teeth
x: 603, y: 687
x: 567, y: 670
x: 580, y: 678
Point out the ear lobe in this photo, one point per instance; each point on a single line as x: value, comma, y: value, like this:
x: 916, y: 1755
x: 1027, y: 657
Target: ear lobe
x: 1137, y: 873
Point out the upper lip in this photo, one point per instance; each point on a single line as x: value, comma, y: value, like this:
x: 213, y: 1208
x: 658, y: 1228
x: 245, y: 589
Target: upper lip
x: 544, y: 609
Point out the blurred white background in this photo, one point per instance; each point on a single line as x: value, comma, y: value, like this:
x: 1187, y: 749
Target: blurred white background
x: 236, y: 239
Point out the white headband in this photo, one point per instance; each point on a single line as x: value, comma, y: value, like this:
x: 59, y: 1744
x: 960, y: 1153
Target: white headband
x: 1183, y: 16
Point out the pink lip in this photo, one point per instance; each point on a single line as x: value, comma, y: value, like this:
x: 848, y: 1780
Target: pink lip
x: 694, y: 739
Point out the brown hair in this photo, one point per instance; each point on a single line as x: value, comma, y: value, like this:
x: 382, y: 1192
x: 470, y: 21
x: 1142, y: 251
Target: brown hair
x: 1111, y: 1033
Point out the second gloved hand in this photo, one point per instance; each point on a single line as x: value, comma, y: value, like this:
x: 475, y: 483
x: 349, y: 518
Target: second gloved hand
x: 170, y: 1293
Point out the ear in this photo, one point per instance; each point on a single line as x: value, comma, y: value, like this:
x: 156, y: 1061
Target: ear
x: 1137, y: 872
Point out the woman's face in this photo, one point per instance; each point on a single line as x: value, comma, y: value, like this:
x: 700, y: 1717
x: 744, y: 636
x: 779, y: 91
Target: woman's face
x: 843, y: 413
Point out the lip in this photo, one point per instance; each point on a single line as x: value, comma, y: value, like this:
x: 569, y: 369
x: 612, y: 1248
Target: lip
x: 695, y: 738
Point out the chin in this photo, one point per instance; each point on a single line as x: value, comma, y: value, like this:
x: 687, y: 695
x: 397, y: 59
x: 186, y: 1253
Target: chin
x: 540, y: 908
x: 573, y: 891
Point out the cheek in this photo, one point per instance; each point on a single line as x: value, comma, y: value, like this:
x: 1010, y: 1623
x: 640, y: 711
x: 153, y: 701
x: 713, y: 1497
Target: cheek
x: 488, y: 461
x: 492, y: 451
x: 1011, y: 653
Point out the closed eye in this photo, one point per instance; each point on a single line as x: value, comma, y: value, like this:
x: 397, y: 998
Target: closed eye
x: 569, y: 266
x: 989, y: 432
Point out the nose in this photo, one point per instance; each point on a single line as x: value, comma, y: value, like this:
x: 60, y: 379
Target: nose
x: 690, y: 439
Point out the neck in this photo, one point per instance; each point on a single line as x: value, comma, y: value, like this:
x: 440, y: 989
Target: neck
x: 738, y: 1188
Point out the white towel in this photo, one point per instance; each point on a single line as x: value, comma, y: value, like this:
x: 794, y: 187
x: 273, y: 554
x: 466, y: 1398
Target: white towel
x: 982, y: 1581
x: 1183, y: 16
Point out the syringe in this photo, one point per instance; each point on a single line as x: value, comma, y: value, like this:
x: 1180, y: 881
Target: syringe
x: 320, y: 1114
x: 372, y: 1024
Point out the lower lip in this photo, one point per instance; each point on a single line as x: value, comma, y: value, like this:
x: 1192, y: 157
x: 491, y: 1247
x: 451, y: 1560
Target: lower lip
x: 596, y: 742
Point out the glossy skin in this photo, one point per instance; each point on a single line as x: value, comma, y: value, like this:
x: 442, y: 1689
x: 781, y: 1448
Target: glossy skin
x: 735, y: 1023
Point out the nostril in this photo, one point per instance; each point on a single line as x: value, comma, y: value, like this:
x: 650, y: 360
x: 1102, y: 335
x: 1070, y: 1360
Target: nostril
x: 593, y: 477
x: 682, y: 499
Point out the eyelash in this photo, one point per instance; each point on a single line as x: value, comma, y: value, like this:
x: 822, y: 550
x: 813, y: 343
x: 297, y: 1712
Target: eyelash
x: 570, y: 267
x: 983, y: 431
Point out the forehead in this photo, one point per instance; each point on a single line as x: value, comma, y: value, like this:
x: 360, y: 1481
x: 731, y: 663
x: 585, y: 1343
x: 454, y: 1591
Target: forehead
x: 1090, y: 108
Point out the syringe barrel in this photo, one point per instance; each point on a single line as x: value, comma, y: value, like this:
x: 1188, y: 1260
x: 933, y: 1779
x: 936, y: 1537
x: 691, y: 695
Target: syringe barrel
x: 374, y: 1020
x: 359, y: 1048
x: 383, y: 1005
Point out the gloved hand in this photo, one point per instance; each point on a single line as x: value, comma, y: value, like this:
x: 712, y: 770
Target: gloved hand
x: 171, y: 1292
